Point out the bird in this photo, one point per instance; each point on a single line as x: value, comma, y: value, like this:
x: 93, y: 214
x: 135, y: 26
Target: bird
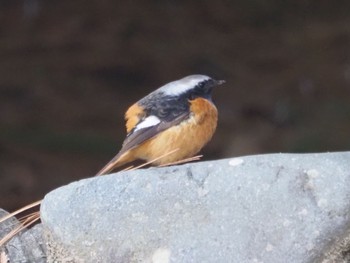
x: 179, y: 117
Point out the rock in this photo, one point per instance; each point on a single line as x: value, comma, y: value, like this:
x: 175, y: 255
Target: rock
x: 265, y: 208
x: 27, y: 246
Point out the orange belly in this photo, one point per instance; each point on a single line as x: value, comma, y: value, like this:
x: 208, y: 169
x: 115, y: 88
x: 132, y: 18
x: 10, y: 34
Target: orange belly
x: 187, y: 138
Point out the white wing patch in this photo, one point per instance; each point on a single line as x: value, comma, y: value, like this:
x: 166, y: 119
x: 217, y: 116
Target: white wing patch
x: 148, y: 122
x: 182, y: 85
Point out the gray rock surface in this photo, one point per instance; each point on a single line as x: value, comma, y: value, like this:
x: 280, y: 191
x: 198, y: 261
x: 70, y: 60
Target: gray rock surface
x: 265, y: 208
x: 27, y: 246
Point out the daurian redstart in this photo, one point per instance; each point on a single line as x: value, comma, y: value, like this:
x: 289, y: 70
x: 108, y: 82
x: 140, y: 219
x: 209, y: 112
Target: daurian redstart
x: 179, y: 116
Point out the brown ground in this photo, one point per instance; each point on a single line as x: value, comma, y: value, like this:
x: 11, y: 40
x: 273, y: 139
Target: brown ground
x: 69, y: 69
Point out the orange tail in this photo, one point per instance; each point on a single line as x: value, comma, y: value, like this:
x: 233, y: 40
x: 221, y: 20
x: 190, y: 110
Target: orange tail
x: 117, y: 161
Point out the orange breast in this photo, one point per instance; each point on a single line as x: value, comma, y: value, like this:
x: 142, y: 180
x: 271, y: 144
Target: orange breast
x: 188, y: 137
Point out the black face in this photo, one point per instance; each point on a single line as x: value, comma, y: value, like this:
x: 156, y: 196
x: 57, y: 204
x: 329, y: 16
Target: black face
x: 202, y: 90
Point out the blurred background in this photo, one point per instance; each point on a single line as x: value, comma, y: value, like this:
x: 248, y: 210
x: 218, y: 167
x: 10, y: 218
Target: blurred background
x: 70, y: 69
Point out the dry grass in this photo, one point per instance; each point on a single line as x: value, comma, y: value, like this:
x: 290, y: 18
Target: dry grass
x: 25, y: 221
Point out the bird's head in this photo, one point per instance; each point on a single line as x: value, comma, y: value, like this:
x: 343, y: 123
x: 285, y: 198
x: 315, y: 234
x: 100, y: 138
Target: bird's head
x: 192, y: 87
